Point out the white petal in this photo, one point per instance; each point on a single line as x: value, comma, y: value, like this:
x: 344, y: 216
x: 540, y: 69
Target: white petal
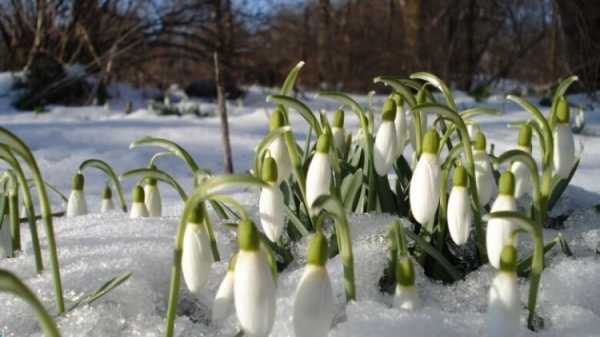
x: 484, y: 177
x: 318, y: 177
x: 424, y: 190
x: 522, y: 175
x: 152, y: 200
x: 197, y: 258
x: 314, y: 306
x: 76, y: 205
x: 271, y: 210
x: 223, y: 304
x: 459, y: 215
x: 107, y: 205
x: 279, y: 152
x: 401, y: 130
x: 384, y: 150
x: 504, y: 306
x: 339, y: 138
x: 564, y: 150
x: 406, y: 298
x: 138, y: 210
x: 472, y: 129
x: 254, y: 293
x: 499, y: 231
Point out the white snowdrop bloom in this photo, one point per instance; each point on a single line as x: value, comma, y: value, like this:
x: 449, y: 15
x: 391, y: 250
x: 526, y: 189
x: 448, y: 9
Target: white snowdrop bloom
x: 484, y: 175
x: 472, y: 129
x: 138, y: 207
x: 152, y: 198
x: 196, y: 259
x: 271, y: 206
x: 460, y: 214
x: 76, y: 205
x: 406, y: 296
x: 318, y: 177
x: 314, y: 306
x: 401, y: 127
x: 278, y: 148
x: 107, y: 202
x: 6, y: 247
x: 253, y: 284
x: 564, y: 144
x: 223, y: 304
x: 338, y: 132
x: 424, y: 193
x: 384, y: 149
x: 499, y: 231
x: 504, y: 304
x: 523, y: 184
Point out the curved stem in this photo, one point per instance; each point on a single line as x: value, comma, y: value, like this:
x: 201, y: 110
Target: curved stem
x: 110, y: 173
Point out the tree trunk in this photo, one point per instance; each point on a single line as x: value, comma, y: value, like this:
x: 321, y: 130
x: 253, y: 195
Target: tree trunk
x: 581, y: 28
x: 323, y: 42
x: 412, y: 19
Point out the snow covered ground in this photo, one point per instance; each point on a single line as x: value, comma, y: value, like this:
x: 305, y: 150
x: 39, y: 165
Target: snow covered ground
x: 94, y: 248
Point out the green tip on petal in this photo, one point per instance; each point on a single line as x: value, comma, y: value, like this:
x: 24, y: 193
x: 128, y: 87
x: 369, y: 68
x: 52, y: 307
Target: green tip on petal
x: 506, y: 185
x: 269, y: 170
x: 431, y: 142
x: 338, y: 119
x: 232, y: 261
x: 77, y: 182
x: 389, y: 110
x: 317, y: 250
x: 107, y: 192
x: 479, y: 141
x: 248, y: 236
x: 276, y: 121
x: 460, y: 177
x: 525, y: 133
x: 323, y: 143
x: 196, y: 215
x: 562, y: 111
x: 137, y: 193
x: 405, y: 272
x: 508, y: 259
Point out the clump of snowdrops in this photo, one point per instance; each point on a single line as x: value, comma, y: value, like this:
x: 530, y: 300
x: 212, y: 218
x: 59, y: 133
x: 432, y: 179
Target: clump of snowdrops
x: 456, y: 203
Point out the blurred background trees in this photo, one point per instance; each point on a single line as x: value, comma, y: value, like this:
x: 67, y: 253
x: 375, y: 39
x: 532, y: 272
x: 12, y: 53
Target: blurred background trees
x: 470, y: 43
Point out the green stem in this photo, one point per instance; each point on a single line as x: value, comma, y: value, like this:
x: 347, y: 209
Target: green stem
x: 13, y: 202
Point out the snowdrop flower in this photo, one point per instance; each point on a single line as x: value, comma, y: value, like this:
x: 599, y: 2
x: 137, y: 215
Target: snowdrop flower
x: 499, y: 231
x: 504, y: 303
x: 338, y: 132
x: 318, y: 177
x: 460, y: 214
x: 107, y: 202
x: 406, y: 296
x: 152, y: 198
x: 271, y: 207
x: 253, y: 284
x: 314, y: 306
x: 196, y: 258
x: 424, y: 193
x: 138, y: 207
x: 76, y: 205
x: 564, y: 144
x: 523, y: 184
x: 384, y: 149
x: 278, y: 147
x: 223, y: 305
x: 401, y: 127
x: 473, y: 129
x: 484, y: 175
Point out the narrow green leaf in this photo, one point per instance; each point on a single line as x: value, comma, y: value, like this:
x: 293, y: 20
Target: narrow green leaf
x: 300, y: 107
x: 439, y: 84
x: 399, y: 87
x: 103, y: 290
x: 437, y: 256
x: 560, y: 185
x: 290, y: 80
x: 350, y: 188
x: 110, y: 173
x: 158, y: 175
x: 174, y: 148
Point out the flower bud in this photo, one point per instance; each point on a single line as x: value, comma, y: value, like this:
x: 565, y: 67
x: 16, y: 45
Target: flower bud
x: 424, y: 193
x: 138, y: 207
x: 196, y: 259
x: 460, y: 214
x: 384, y: 149
x: 76, y: 204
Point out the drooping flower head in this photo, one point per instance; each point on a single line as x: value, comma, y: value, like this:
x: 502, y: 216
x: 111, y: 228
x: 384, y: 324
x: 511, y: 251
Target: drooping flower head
x: 523, y: 184
x: 406, y: 296
x: 338, y: 132
x: 400, y: 124
x: 223, y: 303
x: 424, y: 193
x: 278, y: 147
x: 271, y: 206
x: 460, y: 214
x: 564, y: 144
x: 318, y: 177
x: 77, y: 205
x: 138, y: 207
x: 152, y: 198
x: 484, y: 175
x: 384, y: 149
x: 197, y: 256
x: 107, y: 202
x: 500, y: 231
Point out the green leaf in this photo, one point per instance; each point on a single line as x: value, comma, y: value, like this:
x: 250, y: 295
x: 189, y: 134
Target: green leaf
x: 350, y: 188
x: 103, y: 290
x: 437, y: 256
x: 177, y: 150
x: 158, y: 175
x: 110, y: 173
x: 290, y: 80
x: 300, y: 107
x: 560, y: 185
x: 296, y: 222
x: 562, y: 88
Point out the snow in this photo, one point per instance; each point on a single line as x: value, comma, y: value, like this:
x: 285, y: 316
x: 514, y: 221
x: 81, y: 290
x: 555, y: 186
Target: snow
x: 95, y: 248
